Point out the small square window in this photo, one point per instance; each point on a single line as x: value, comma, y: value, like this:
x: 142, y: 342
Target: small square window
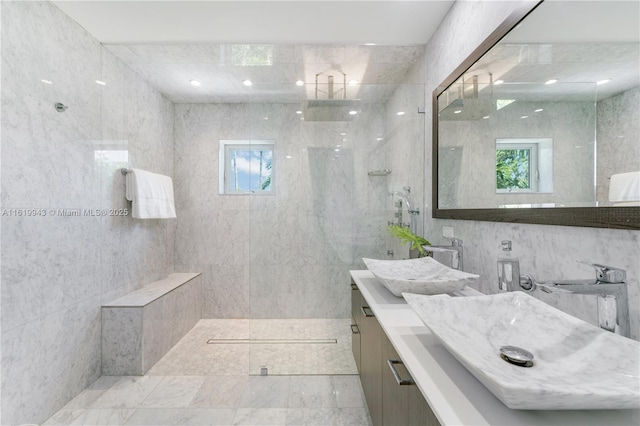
x: 524, y: 165
x: 247, y: 167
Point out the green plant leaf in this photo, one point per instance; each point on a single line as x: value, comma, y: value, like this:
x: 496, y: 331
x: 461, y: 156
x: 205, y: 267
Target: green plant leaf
x: 407, y: 237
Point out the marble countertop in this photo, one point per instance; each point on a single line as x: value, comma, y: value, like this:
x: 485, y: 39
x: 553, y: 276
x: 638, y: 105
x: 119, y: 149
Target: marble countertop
x: 147, y: 294
x: 455, y: 396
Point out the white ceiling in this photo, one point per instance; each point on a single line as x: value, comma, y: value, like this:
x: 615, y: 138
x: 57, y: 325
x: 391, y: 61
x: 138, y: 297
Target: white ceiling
x: 169, y: 43
x: 222, y: 68
x: 390, y: 22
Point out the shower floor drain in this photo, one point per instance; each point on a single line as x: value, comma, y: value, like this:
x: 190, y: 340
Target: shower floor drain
x: 272, y: 341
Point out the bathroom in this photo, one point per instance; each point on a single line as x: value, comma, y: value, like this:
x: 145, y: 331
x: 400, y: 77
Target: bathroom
x: 260, y: 257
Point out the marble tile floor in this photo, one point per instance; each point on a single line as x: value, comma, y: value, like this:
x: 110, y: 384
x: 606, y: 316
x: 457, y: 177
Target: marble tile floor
x: 197, y: 383
x: 192, y: 355
x: 218, y: 400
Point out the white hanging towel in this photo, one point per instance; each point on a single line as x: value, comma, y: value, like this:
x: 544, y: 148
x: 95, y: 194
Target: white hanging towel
x: 151, y: 195
x: 624, y: 189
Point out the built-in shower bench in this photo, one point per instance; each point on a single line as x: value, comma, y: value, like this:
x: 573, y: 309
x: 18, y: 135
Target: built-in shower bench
x: 139, y: 328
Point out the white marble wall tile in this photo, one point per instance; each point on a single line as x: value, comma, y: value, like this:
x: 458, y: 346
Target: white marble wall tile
x: 122, y: 337
x: 43, y: 269
x: 63, y: 267
x: 252, y: 249
x: 43, y: 369
x: 168, y: 319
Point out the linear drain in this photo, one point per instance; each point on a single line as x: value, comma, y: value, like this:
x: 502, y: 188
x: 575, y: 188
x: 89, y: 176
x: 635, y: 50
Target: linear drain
x: 271, y: 341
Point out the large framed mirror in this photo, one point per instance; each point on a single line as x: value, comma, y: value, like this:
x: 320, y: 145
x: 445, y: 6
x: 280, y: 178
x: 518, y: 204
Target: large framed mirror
x: 541, y: 123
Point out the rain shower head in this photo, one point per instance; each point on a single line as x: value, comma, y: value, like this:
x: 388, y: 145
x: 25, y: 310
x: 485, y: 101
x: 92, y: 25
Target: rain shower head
x: 331, y: 109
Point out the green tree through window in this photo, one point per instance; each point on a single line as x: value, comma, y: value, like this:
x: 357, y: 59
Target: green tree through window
x: 513, y: 168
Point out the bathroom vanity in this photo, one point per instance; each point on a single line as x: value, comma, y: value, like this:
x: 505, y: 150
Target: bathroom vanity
x: 429, y: 386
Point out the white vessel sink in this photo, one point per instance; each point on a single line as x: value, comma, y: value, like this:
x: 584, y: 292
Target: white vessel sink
x: 576, y: 365
x: 423, y: 276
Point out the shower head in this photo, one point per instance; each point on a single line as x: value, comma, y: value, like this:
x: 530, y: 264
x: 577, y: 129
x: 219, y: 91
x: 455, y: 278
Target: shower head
x: 331, y: 109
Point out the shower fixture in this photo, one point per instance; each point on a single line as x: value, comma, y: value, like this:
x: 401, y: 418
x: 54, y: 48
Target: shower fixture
x: 413, y: 211
x: 60, y: 107
x: 331, y: 108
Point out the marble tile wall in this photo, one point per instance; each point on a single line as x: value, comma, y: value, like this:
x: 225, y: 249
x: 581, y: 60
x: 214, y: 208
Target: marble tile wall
x: 287, y: 255
x: 547, y: 252
x: 58, y: 269
x: 137, y: 332
x: 618, y: 136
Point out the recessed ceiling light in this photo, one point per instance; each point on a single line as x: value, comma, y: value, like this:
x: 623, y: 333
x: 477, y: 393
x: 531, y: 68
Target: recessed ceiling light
x: 539, y: 110
x: 498, y: 82
x: 343, y: 134
x: 485, y: 117
x: 525, y: 116
x: 400, y: 113
x: 266, y: 118
x: 101, y: 83
x: 353, y: 112
x: 458, y: 111
x: 288, y: 156
x: 195, y: 83
x: 247, y: 83
x: 605, y: 81
x: 552, y: 81
x: 337, y: 150
x: 299, y: 83
x: 370, y: 44
x: 298, y: 112
x: 379, y: 139
x: 46, y: 81
x: 353, y: 82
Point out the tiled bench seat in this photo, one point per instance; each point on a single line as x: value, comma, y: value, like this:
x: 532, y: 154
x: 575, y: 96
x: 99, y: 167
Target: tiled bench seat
x: 139, y: 328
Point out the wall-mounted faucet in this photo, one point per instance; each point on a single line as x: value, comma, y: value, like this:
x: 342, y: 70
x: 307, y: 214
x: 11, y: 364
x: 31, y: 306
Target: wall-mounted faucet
x: 455, y: 250
x: 610, y: 287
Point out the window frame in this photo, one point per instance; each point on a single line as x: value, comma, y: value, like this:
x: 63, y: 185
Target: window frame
x: 224, y: 163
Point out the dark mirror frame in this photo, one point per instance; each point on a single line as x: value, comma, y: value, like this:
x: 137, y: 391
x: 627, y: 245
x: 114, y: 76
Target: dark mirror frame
x: 595, y: 217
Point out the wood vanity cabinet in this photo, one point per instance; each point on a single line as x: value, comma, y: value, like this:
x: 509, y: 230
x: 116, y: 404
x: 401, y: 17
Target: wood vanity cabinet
x: 355, y: 331
x: 392, y: 401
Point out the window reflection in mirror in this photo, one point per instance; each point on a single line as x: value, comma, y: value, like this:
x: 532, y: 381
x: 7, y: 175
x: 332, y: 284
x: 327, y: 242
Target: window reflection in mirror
x: 524, y: 165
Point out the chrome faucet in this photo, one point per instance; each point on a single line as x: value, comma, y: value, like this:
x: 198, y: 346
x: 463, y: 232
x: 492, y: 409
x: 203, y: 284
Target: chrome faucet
x: 455, y: 250
x: 610, y: 287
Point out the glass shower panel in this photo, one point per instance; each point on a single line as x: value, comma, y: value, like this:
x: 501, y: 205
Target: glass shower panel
x: 326, y: 213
